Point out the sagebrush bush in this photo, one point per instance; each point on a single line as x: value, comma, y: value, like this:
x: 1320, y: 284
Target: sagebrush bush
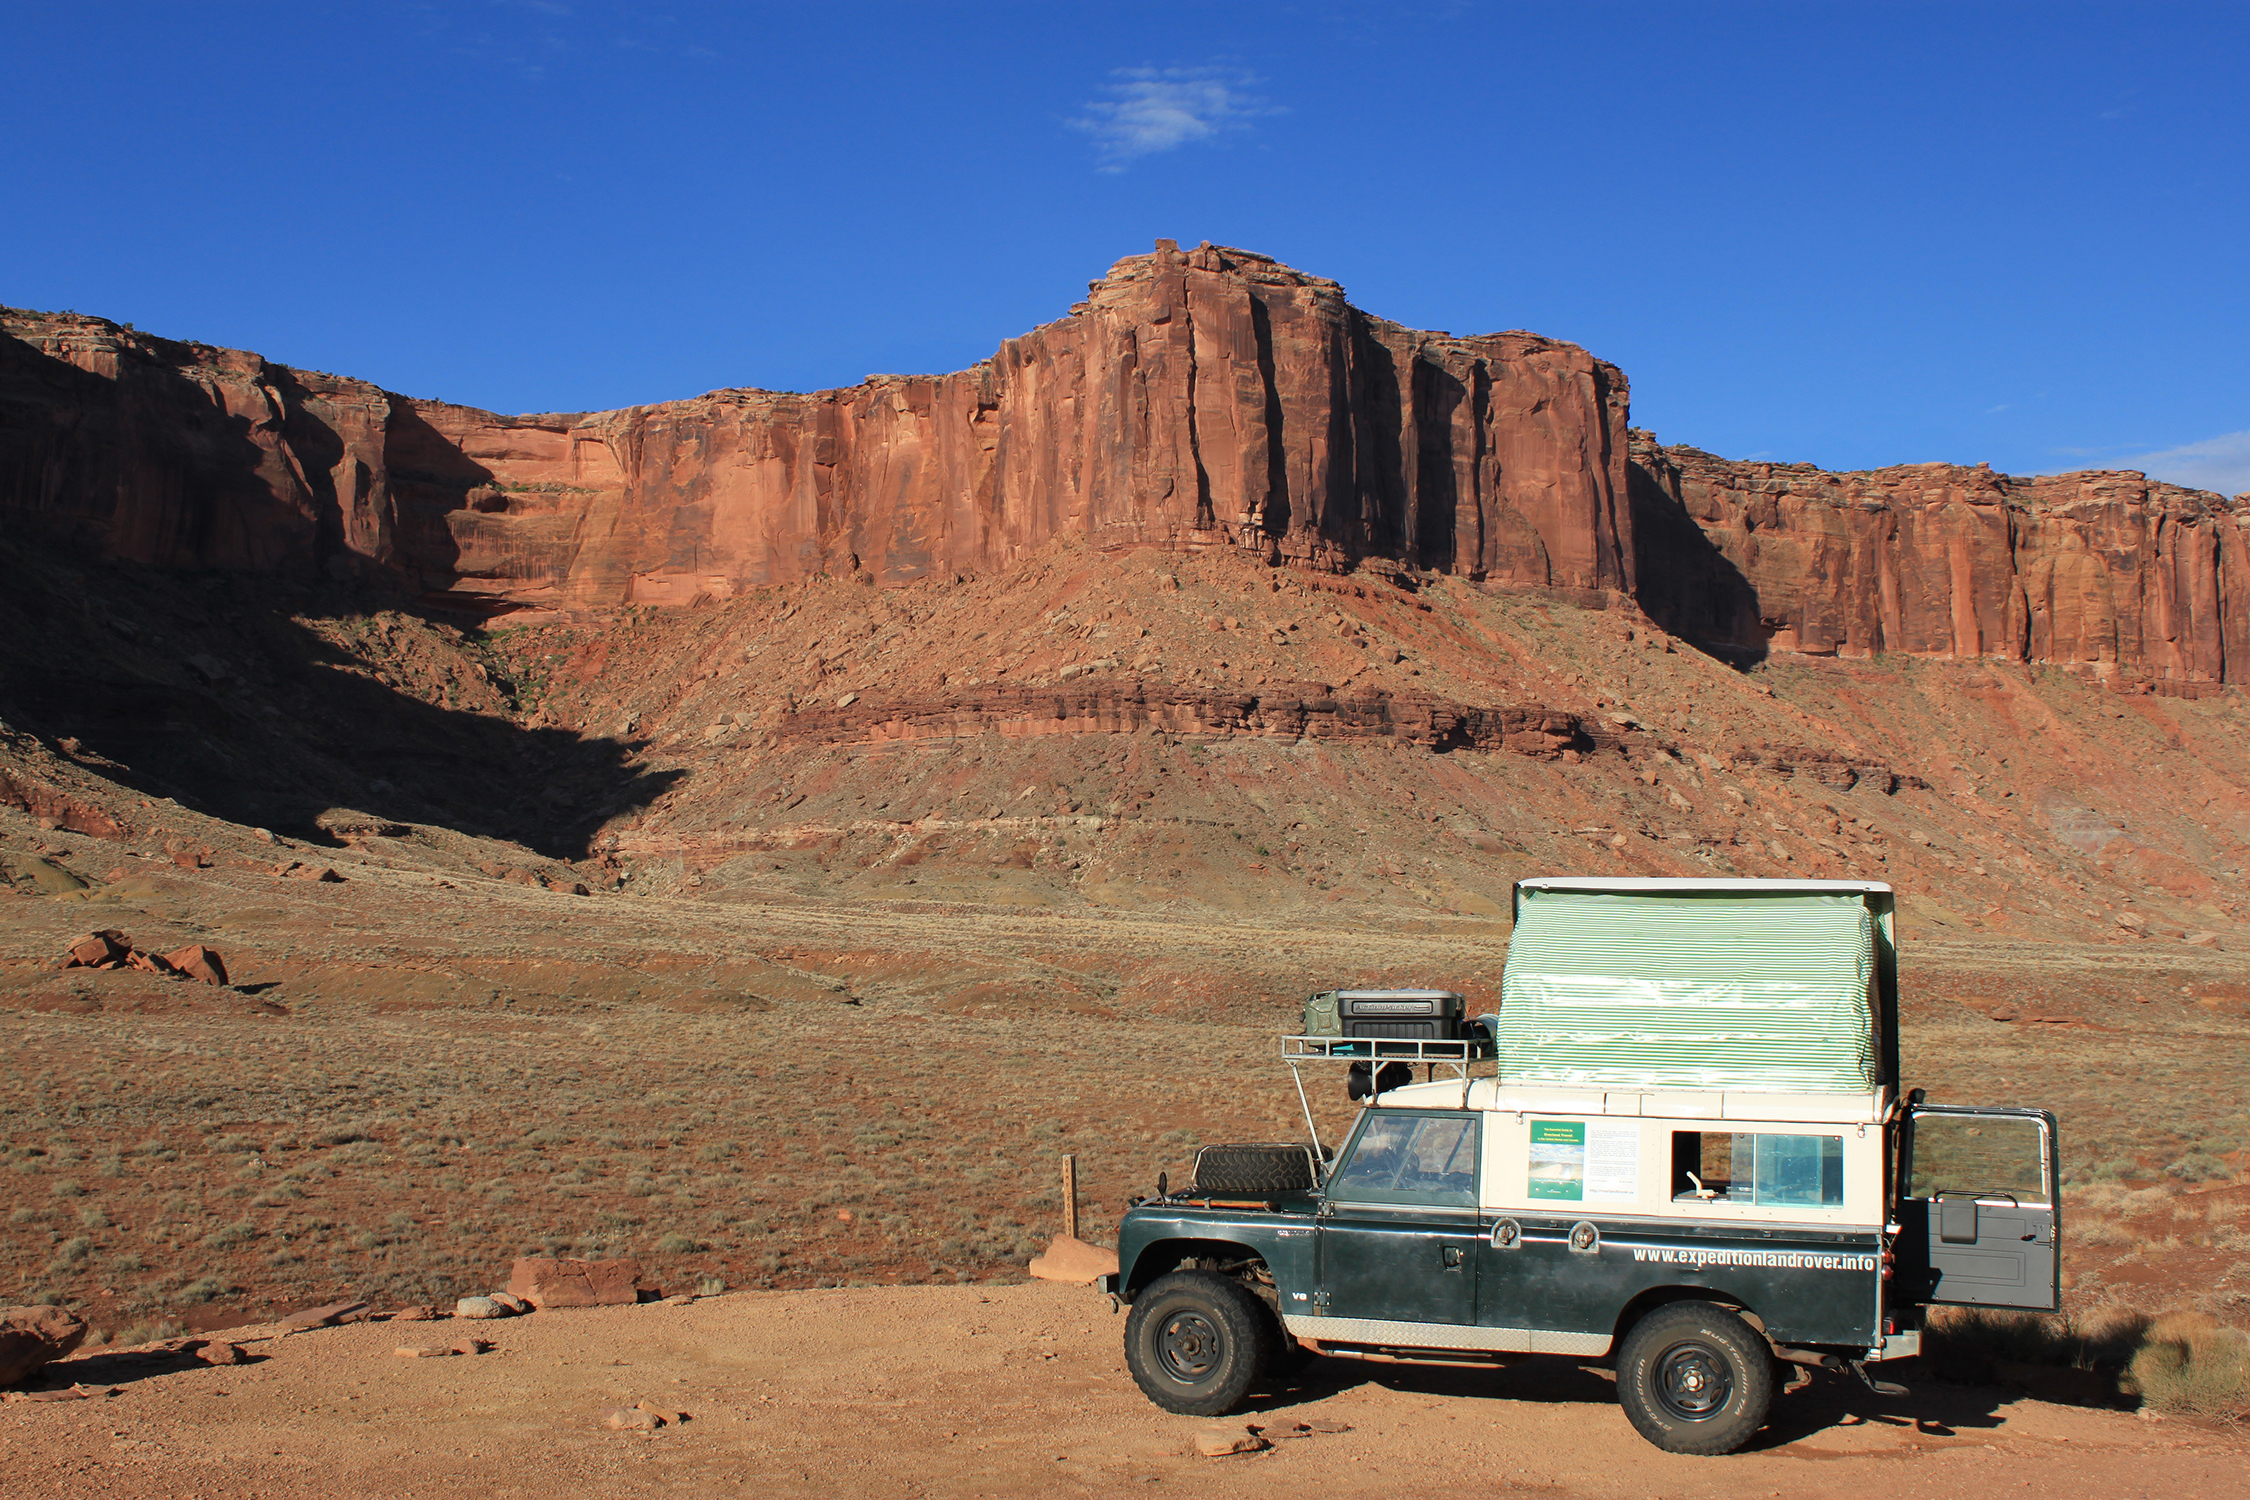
x: 2192, y: 1364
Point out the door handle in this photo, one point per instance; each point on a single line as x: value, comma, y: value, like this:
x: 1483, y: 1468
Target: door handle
x: 1451, y: 1256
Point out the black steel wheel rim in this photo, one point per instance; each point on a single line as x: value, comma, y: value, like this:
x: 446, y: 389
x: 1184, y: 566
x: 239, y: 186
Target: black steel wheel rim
x: 1693, y: 1382
x: 1189, y: 1347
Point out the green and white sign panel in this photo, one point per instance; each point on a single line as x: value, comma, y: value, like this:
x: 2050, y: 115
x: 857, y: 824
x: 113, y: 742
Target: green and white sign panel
x: 1585, y: 1161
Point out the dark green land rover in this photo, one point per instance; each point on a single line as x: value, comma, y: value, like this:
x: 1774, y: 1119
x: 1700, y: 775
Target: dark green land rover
x: 1681, y: 1146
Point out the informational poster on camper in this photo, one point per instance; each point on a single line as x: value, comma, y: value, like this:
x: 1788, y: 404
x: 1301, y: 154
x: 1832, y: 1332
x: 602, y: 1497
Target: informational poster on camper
x: 1580, y: 1161
x: 1613, y: 1162
x: 1558, y: 1160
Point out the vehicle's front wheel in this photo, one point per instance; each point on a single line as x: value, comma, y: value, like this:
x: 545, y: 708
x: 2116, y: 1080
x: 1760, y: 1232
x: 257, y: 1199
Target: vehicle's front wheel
x: 1194, y: 1342
x: 1694, y: 1378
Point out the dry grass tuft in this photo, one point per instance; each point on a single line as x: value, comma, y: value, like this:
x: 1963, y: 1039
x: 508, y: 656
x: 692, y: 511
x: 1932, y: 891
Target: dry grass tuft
x: 2193, y: 1365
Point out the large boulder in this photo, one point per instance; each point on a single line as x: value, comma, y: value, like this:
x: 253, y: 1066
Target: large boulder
x: 34, y: 1337
x: 548, y: 1283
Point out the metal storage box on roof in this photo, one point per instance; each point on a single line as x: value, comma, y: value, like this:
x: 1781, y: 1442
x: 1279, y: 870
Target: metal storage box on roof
x: 1664, y: 985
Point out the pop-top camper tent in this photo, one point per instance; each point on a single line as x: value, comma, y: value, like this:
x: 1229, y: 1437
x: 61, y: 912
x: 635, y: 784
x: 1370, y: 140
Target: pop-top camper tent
x: 1767, y: 986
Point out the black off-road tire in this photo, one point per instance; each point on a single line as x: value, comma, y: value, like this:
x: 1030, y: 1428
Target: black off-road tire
x: 1252, y: 1171
x: 1694, y: 1378
x: 1196, y: 1342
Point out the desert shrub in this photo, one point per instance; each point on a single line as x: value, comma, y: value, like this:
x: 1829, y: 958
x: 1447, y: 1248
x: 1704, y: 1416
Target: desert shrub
x: 70, y: 1255
x: 1966, y: 1343
x: 229, y: 1236
x: 68, y: 1187
x: 202, y: 1289
x: 676, y: 1243
x: 2192, y: 1364
x: 232, y: 1144
x: 2198, y: 1166
x: 126, y: 1264
x: 144, y: 1333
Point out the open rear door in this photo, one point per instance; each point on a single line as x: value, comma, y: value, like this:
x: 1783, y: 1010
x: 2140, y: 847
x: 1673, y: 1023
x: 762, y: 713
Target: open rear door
x: 1978, y: 1217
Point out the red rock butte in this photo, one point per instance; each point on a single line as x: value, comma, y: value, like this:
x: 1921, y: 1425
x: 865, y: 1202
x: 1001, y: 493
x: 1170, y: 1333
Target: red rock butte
x: 1201, y: 399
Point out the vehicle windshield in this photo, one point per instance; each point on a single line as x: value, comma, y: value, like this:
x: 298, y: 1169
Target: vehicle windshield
x: 1402, y: 1158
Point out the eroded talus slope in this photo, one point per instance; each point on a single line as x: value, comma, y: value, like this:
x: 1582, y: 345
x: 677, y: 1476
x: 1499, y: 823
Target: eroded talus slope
x: 1128, y: 730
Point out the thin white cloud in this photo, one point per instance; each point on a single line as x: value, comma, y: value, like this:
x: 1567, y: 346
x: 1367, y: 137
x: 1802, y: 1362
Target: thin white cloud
x: 2219, y: 463
x: 1161, y: 109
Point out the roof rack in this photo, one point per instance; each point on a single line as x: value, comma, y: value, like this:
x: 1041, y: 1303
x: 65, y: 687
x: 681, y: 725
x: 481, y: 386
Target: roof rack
x: 1458, y: 1057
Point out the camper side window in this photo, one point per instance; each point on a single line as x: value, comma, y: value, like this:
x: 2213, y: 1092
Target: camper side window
x: 1758, y: 1168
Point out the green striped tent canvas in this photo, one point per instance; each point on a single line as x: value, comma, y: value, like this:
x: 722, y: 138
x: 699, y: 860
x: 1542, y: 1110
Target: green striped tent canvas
x: 1766, y: 993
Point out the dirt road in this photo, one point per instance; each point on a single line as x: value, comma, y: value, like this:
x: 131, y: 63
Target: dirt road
x: 1002, y: 1391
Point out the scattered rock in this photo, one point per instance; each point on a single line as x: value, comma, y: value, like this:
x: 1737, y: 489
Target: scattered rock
x: 414, y: 1314
x: 198, y: 962
x: 215, y: 1352
x: 1222, y: 1442
x: 471, y: 1346
x: 33, y: 1337
x: 1066, y: 1259
x: 99, y: 950
x: 1326, y: 1424
x: 330, y: 1315
x: 421, y: 1351
x: 511, y: 1302
x: 2203, y: 940
x: 71, y: 1393
x: 2132, y: 921
x: 546, y: 1283
x: 631, y: 1419
x: 478, y: 1307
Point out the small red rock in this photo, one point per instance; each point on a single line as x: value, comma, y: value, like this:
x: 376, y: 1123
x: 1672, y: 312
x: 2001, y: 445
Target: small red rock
x: 548, y: 1283
x: 34, y: 1336
x: 97, y: 948
x: 198, y: 962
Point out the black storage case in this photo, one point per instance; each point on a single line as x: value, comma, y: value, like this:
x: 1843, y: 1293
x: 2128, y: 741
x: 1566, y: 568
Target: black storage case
x: 1401, y: 1015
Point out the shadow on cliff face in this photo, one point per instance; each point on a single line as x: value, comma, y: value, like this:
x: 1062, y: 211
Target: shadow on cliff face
x: 1685, y: 583
x: 211, y: 690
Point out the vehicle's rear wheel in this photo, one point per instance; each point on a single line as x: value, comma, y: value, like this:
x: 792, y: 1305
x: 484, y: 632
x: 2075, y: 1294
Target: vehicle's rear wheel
x: 1195, y: 1342
x: 1694, y: 1378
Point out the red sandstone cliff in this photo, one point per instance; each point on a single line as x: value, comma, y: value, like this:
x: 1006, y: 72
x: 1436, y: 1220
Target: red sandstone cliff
x: 1195, y: 399
x: 1202, y: 399
x: 2105, y: 571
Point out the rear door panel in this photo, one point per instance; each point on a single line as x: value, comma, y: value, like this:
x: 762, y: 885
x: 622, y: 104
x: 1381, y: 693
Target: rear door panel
x: 1978, y: 1220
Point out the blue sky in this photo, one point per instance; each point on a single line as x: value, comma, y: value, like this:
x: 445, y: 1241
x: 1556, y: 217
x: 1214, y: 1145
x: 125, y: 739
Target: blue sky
x: 1847, y: 235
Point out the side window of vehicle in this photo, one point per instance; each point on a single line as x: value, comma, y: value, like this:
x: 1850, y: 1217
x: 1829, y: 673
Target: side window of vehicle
x: 1761, y: 1168
x: 1402, y: 1158
x: 1980, y: 1156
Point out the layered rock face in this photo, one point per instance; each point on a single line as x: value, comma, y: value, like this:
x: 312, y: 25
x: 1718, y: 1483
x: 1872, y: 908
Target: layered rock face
x: 2108, y: 572
x: 1207, y: 398
x: 1202, y: 399
x: 1291, y: 712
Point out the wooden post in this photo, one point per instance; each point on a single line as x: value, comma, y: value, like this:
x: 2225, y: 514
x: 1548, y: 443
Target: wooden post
x: 1070, y: 1197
